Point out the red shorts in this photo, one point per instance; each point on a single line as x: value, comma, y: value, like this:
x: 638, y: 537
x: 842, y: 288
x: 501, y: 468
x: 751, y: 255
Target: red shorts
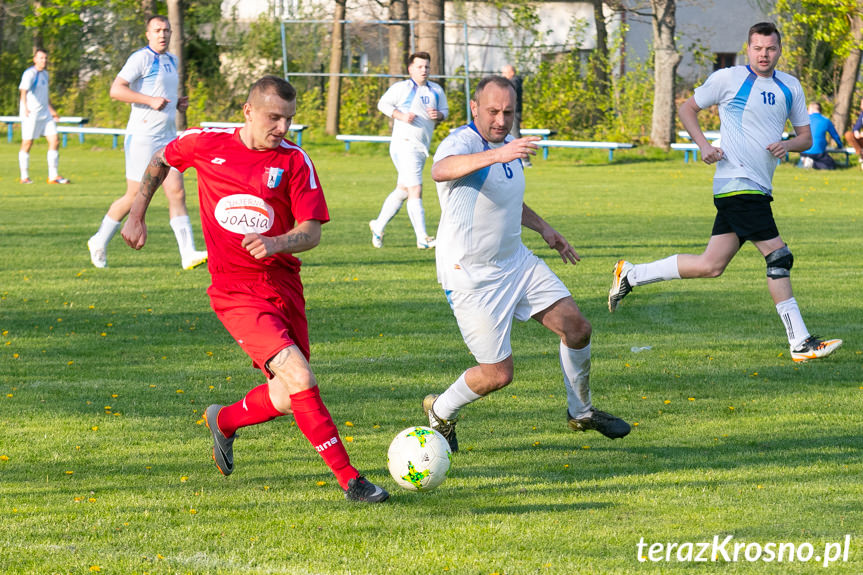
x: 264, y: 313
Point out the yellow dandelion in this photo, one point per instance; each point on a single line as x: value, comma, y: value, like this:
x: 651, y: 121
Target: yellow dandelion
x: 349, y: 424
x: 4, y: 457
x: 14, y: 356
x: 376, y: 426
x: 731, y: 407
x: 210, y: 353
x: 349, y: 438
x: 152, y: 385
x: 321, y: 483
x: 199, y: 422
x: 94, y: 428
x: 212, y: 387
x: 193, y: 511
x: 69, y: 362
x: 114, y: 396
x: 585, y: 447
x: 266, y: 487
x: 184, y: 478
x: 92, y: 500
x: 9, y: 395
x: 536, y: 443
x: 69, y: 472
x: 691, y: 399
x: 667, y: 401
x: 566, y: 465
x: 95, y: 568
x: 180, y: 391
x: 78, y: 499
x: 103, y: 334
x: 107, y: 408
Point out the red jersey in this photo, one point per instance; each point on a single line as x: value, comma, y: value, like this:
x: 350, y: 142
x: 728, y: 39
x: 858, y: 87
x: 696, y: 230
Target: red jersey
x: 244, y: 191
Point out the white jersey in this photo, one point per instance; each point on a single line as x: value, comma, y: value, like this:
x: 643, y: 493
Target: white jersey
x: 752, y: 111
x: 479, y: 236
x: 36, y: 85
x: 153, y: 74
x: 408, y: 96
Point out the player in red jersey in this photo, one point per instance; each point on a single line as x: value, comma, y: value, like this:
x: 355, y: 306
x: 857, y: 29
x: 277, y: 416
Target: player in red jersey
x: 261, y: 203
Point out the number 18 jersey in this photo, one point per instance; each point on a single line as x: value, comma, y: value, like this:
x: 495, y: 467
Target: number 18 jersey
x: 752, y: 111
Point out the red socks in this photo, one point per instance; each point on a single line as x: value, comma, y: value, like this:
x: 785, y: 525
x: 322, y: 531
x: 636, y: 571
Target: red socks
x: 315, y: 422
x: 255, y: 408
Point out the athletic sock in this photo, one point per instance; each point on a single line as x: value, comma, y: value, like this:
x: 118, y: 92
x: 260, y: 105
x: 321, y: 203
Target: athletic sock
x: 392, y: 205
x: 24, y: 164
x: 253, y: 409
x: 795, y: 329
x: 182, y: 227
x: 417, y: 214
x: 53, y: 157
x: 457, y: 395
x: 315, y: 422
x: 658, y: 271
x: 575, y: 364
x: 107, y: 229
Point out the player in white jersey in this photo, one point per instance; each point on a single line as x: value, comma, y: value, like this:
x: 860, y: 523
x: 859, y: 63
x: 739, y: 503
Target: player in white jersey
x: 754, y: 103
x: 38, y: 118
x: 149, y: 81
x: 490, y: 277
x: 416, y: 106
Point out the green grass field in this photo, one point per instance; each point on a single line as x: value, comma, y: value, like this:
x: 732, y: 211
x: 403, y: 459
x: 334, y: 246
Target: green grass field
x: 104, y: 374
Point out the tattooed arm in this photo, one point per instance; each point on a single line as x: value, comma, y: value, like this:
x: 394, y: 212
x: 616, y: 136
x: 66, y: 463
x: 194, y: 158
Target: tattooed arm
x: 302, y: 238
x: 135, y: 230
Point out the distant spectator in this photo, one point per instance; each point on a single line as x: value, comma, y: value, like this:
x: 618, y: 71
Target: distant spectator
x: 817, y: 156
x: 510, y: 74
x: 854, y: 136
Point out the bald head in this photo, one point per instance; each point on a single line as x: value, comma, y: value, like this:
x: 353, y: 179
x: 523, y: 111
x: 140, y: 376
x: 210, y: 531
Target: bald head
x: 508, y: 72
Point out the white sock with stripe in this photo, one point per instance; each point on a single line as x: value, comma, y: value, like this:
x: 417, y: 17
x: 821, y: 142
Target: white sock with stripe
x: 658, y: 271
x: 789, y: 312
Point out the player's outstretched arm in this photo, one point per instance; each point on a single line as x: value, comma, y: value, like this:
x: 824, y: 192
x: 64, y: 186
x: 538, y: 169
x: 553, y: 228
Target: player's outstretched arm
x: 530, y: 219
x: 135, y: 230
x: 303, y: 237
x: 458, y: 166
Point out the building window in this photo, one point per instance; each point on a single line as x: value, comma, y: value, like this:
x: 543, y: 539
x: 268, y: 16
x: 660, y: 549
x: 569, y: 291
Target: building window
x: 724, y: 60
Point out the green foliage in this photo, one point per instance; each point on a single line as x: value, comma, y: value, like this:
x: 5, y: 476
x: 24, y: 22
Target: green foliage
x: 816, y: 40
x: 359, y: 105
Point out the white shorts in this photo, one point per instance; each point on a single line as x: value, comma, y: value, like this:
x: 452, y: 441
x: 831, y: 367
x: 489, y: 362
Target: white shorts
x: 32, y: 128
x: 139, y: 150
x: 485, y: 317
x: 409, y: 163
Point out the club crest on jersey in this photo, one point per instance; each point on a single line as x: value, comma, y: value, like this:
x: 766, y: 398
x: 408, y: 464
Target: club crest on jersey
x: 244, y: 214
x: 274, y: 177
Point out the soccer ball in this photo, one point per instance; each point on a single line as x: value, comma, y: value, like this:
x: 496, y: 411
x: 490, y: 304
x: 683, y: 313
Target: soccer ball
x: 419, y: 458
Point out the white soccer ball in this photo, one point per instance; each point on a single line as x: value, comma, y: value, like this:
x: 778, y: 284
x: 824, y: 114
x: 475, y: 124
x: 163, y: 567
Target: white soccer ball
x: 419, y: 458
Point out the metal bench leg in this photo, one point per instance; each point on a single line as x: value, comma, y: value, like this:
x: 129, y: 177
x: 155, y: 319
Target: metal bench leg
x: 545, y: 153
x: 610, y: 155
x: 65, y: 139
x: 9, y: 131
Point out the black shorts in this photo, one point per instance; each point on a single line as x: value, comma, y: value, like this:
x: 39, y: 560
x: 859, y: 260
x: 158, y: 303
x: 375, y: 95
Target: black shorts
x: 747, y: 215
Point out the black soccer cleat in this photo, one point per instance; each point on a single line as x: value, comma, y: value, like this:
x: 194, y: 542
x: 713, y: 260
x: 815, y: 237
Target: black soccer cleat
x: 361, y: 489
x: 223, y: 447
x: 442, y: 426
x: 605, y: 423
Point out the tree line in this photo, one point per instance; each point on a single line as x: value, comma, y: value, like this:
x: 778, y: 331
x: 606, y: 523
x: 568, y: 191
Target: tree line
x: 582, y: 97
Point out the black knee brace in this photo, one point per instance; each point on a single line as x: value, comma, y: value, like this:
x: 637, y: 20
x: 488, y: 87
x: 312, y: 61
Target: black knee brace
x: 779, y: 263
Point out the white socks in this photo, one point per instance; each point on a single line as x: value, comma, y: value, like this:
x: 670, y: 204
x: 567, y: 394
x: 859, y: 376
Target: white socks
x: 24, y: 164
x: 796, y: 330
x: 448, y: 404
x: 417, y: 214
x: 391, y: 207
x: 53, y: 157
x: 575, y: 364
x: 107, y: 229
x: 182, y: 227
x: 660, y: 270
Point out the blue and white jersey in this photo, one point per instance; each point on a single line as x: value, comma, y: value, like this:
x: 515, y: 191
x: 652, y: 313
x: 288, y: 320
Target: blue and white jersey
x: 408, y: 96
x: 36, y: 85
x: 752, y: 111
x: 479, y: 236
x: 153, y: 74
